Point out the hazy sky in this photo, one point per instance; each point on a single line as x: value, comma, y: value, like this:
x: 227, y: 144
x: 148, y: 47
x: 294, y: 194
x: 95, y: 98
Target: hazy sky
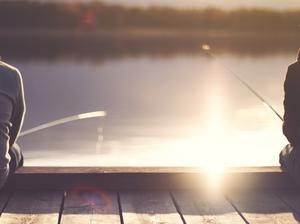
x: 228, y: 4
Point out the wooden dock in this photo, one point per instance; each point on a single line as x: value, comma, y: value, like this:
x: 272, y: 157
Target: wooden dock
x: 148, y: 195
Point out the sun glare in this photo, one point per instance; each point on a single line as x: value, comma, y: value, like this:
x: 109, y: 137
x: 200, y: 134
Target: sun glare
x: 216, y: 132
x: 214, y: 175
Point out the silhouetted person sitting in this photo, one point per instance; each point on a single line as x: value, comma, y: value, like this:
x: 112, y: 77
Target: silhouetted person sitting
x: 12, y: 110
x: 290, y: 155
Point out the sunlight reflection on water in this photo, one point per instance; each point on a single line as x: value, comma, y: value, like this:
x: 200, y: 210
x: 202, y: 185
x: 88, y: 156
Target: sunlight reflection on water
x: 177, y: 111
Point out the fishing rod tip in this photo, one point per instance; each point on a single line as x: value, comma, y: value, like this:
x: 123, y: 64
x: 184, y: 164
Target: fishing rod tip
x: 205, y: 47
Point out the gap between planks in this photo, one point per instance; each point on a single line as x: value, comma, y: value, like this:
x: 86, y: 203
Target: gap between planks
x: 267, y: 207
x: 186, y: 207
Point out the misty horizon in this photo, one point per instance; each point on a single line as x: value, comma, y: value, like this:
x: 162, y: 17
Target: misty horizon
x: 232, y: 4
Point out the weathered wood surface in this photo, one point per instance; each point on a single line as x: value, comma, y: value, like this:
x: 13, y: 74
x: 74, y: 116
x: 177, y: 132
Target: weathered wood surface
x: 263, y: 207
x: 90, y: 205
x: 291, y: 198
x: 32, y: 207
x: 90, y: 170
x: 148, y: 207
x: 146, y: 178
x: 206, y: 208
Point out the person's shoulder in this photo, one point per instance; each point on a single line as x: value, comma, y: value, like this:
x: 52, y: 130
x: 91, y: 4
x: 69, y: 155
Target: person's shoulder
x: 294, y: 66
x: 10, y: 79
x: 10, y: 73
x: 8, y: 69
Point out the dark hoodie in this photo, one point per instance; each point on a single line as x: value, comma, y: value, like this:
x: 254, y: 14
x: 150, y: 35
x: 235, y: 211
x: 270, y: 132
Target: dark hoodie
x: 291, y: 125
x: 12, y: 110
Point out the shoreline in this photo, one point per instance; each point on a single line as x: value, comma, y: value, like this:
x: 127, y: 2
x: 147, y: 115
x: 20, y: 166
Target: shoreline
x: 106, y: 44
x: 149, y: 33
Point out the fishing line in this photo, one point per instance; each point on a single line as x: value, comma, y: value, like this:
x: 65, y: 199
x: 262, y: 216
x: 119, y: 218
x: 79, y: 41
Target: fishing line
x: 63, y: 121
x: 207, y: 49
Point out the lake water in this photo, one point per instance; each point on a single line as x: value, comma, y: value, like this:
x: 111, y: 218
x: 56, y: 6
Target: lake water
x: 181, y: 109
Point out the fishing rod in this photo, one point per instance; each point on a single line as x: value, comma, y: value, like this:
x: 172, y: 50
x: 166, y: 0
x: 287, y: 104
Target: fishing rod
x: 206, y: 48
x: 63, y: 121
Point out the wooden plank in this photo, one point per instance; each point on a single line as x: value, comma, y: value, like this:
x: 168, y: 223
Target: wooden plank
x: 206, y: 208
x: 257, y: 180
x: 33, y: 207
x: 148, y: 207
x: 72, y: 170
x: 90, y: 205
x: 262, y: 207
x: 291, y: 198
x: 146, y: 178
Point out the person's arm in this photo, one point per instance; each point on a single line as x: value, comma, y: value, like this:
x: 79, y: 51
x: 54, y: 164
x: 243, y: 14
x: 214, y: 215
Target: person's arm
x: 5, y: 114
x: 19, y: 112
x: 287, y: 102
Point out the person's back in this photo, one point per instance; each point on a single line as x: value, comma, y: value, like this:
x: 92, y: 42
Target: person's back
x: 291, y: 125
x: 289, y: 157
x: 12, y: 110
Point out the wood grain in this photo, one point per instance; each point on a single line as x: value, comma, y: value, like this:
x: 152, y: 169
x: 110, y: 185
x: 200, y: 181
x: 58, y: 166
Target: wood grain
x: 32, y: 207
x: 206, y: 208
x: 89, y: 170
x: 291, y: 198
x: 148, y: 207
x: 262, y: 207
x: 147, y: 178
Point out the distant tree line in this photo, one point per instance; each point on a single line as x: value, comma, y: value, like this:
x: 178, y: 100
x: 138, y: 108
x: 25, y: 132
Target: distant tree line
x: 100, y: 16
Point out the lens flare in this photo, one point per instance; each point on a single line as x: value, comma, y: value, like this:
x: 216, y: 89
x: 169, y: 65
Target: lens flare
x: 91, y: 196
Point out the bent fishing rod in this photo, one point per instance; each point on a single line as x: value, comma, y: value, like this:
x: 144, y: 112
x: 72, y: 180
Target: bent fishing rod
x: 63, y: 121
x: 206, y: 48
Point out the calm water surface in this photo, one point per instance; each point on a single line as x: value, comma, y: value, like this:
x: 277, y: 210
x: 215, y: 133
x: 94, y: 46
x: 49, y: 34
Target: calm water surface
x: 181, y: 110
